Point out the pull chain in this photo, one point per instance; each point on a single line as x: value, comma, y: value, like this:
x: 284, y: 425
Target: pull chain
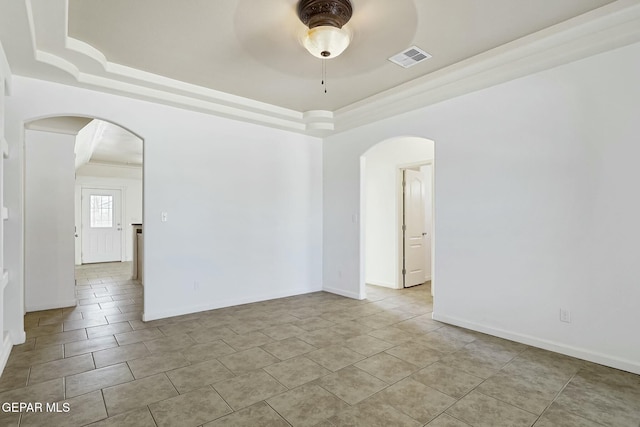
x: 324, y: 75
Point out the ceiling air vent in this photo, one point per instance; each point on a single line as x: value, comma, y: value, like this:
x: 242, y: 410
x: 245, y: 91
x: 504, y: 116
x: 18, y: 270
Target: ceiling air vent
x: 410, y: 57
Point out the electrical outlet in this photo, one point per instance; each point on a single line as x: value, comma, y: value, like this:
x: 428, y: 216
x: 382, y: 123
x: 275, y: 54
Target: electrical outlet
x: 565, y: 315
x: 164, y: 216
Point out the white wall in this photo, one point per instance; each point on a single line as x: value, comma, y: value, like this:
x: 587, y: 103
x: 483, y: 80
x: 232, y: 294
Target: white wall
x: 535, y: 207
x: 131, y: 190
x: 244, y: 202
x: 382, y: 164
x: 49, y: 242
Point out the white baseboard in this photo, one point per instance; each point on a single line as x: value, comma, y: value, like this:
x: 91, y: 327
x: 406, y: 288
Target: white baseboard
x: 155, y: 315
x: 383, y: 284
x: 557, y: 347
x: 19, y: 337
x: 344, y: 293
x: 52, y: 305
x: 7, y: 345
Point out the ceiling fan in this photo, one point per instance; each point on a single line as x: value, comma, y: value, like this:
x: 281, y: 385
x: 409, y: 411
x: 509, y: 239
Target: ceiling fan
x: 290, y: 36
x: 326, y: 37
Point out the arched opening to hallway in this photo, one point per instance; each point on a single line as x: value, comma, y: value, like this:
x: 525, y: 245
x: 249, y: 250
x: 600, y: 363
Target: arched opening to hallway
x: 83, y: 193
x: 396, y: 229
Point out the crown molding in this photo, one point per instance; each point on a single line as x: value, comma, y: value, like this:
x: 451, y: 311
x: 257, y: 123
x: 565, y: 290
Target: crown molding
x: 607, y: 28
x: 611, y: 26
x: 89, y: 67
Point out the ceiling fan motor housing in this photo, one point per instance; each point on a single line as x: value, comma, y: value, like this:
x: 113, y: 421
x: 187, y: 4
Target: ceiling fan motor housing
x: 318, y: 13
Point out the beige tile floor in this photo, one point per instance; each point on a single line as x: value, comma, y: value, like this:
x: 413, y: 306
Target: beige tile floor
x: 316, y: 359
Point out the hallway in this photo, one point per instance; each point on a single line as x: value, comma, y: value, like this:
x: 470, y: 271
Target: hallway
x: 107, y: 290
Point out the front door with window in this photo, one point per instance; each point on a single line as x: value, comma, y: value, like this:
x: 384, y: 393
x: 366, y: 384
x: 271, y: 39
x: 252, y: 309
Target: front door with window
x: 101, y: 225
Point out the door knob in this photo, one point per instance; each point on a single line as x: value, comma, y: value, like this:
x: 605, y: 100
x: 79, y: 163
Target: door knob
x: 424, y: 234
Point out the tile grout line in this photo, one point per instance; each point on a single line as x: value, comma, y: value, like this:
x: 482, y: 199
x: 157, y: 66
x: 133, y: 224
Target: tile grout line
x: 472, y: 389
x: 104, y: 402
x: 276, y: 411
x: 233, y: 411
x: 558, y: 395
x: 511, y: 404
x: 151, y: 413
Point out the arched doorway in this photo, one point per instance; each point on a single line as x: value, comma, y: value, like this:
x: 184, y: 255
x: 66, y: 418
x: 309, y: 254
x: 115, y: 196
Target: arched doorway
x: 63, y: 157
x: 387, y: 247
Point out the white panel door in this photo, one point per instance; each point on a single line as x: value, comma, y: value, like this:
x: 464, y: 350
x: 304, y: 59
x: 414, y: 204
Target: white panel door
x: 101, y: 225
x: 414, y: 248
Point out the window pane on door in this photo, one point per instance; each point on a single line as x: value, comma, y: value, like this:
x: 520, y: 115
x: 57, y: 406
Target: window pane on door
x: 101, y: 211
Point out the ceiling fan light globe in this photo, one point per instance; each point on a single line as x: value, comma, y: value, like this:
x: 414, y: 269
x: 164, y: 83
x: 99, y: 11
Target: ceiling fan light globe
x: 326, y: 42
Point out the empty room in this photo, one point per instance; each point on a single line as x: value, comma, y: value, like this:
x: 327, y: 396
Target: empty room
x: 319, y: 213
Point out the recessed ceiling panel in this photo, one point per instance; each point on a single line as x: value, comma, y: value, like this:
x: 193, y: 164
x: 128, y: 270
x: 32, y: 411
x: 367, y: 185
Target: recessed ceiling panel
x: 250, y: 48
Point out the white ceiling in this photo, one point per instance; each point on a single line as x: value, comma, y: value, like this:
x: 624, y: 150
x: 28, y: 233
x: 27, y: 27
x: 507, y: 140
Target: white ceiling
x: 117, y: 146
x: 241, y: 58
x: 250, y: 48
